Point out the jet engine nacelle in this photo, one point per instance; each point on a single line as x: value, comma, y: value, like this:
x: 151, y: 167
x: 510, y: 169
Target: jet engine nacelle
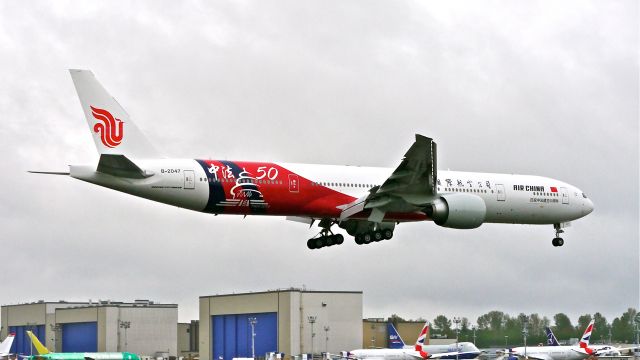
x: 458, y: 211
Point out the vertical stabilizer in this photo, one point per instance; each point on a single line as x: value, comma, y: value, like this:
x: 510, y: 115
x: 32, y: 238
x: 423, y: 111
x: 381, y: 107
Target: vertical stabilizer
x: 5, y: 345
x: 422, y: 337
x: 112, y: 129
x: 394, y: 340
x: 551, y: 338
x: 41, y: 349
x: 584, y: 341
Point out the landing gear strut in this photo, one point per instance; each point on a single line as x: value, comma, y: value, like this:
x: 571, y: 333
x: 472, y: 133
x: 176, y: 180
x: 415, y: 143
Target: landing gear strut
x: 557, y: 241
x: 326, y: 237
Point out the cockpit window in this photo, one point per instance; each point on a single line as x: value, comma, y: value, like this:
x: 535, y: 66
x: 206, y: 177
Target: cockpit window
x: 584, y: 195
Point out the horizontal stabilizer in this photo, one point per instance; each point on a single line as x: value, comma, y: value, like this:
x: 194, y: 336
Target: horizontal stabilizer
x: 121, y: 166
x: 50, y: 172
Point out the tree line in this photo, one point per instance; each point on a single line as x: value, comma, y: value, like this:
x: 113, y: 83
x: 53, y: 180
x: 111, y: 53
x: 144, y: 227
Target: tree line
x: 497, y: 329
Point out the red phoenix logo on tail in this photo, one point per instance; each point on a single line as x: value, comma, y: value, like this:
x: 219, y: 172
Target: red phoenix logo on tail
x: 109, y: 128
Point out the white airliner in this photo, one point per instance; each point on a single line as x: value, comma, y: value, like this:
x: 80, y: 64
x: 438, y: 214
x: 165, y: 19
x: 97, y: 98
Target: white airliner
x: 5, y: 346
x: 367, y: 202
x: 559, y: 352
x: 463, y: 350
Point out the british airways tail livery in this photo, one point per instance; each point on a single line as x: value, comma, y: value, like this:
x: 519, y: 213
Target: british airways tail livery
x: 367, y: 202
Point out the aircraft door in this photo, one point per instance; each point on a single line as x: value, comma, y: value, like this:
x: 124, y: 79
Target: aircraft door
x: 189, y: 179
x: 502, y: 196
x: 294, y: 183
x: 565, y: 195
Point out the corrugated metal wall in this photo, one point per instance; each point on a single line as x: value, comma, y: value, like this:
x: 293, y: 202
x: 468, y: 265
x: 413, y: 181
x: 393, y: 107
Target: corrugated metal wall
x: 80, y: 337
x: 22, y: 343
x: 231, y: 335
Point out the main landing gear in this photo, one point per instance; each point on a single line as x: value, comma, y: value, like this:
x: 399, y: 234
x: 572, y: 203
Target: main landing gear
x: 325, y: 240
x: 373, y: 236
x: 364, y: 232
x: 326, y: 237
x: 557, y: 241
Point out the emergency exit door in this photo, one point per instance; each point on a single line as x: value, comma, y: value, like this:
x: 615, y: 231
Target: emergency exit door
x: 565, y: 195
x: 294, y: 183
x: 189, y: 179
x: 502, y: 196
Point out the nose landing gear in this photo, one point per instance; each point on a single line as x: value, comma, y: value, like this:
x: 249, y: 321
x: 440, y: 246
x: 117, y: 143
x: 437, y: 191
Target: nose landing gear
x: 557, y: 241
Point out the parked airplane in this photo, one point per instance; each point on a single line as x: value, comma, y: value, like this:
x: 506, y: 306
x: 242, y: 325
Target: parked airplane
x: 45, y: 354
x: 367, y: 202
x: 560, y: 352
x: 5, y: 345
x: 600, y: 350
x: 461, y: 350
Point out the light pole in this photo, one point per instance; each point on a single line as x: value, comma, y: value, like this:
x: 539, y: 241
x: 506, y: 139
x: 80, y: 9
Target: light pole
x: 125, y: 325
x: 456, y: 320
x: 30, y: 326
x: 252, y: 322
x: 312, y: 320
x: 474, y: 334
x: 525, y: 332
x: 326, y: 339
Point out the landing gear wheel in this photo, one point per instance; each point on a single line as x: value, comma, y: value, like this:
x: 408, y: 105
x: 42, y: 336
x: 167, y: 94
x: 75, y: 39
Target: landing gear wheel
x: 319, y: 242
x: 557, y: 241
x: 310, y: 244
x: 387, y: 234
x: 339, y: 239
x: 366, y: 238
x: 329, y: 240
x: 359, y: 239
x: 377, y: 235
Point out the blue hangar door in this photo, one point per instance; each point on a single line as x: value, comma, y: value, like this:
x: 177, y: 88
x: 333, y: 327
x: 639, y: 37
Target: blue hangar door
x: 80, y: 337
x: 21, y: 343
x: 231, y: 335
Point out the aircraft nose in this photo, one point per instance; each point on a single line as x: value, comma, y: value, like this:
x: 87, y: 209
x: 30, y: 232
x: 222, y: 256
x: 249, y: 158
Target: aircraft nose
x: 588, y: 207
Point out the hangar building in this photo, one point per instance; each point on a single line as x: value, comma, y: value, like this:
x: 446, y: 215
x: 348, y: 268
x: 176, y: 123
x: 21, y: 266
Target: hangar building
x: 142, y: 327
x: 289, y: 321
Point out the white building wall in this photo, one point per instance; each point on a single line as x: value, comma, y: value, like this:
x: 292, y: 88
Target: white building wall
x: 152, y: 330
x: 341, y: 312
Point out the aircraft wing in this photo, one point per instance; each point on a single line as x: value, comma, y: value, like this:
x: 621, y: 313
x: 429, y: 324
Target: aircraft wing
x: 411, y: 185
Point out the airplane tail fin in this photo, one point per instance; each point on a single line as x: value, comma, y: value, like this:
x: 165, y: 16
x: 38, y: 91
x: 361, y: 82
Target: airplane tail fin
x: 422, y: 337
x: 5, y: 345
x: 551, y: 338
x: 584, y: 341
x: 112, y: 129
x: 41, y: 349
x: 395, y: 341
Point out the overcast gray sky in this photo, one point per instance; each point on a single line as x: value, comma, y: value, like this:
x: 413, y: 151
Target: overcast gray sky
x: 546, y: 88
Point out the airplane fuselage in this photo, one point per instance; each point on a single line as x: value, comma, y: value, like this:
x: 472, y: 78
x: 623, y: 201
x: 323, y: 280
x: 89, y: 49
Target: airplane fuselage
x: 466, y: 351
x: 319, y: 191
x: 550, y: 352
